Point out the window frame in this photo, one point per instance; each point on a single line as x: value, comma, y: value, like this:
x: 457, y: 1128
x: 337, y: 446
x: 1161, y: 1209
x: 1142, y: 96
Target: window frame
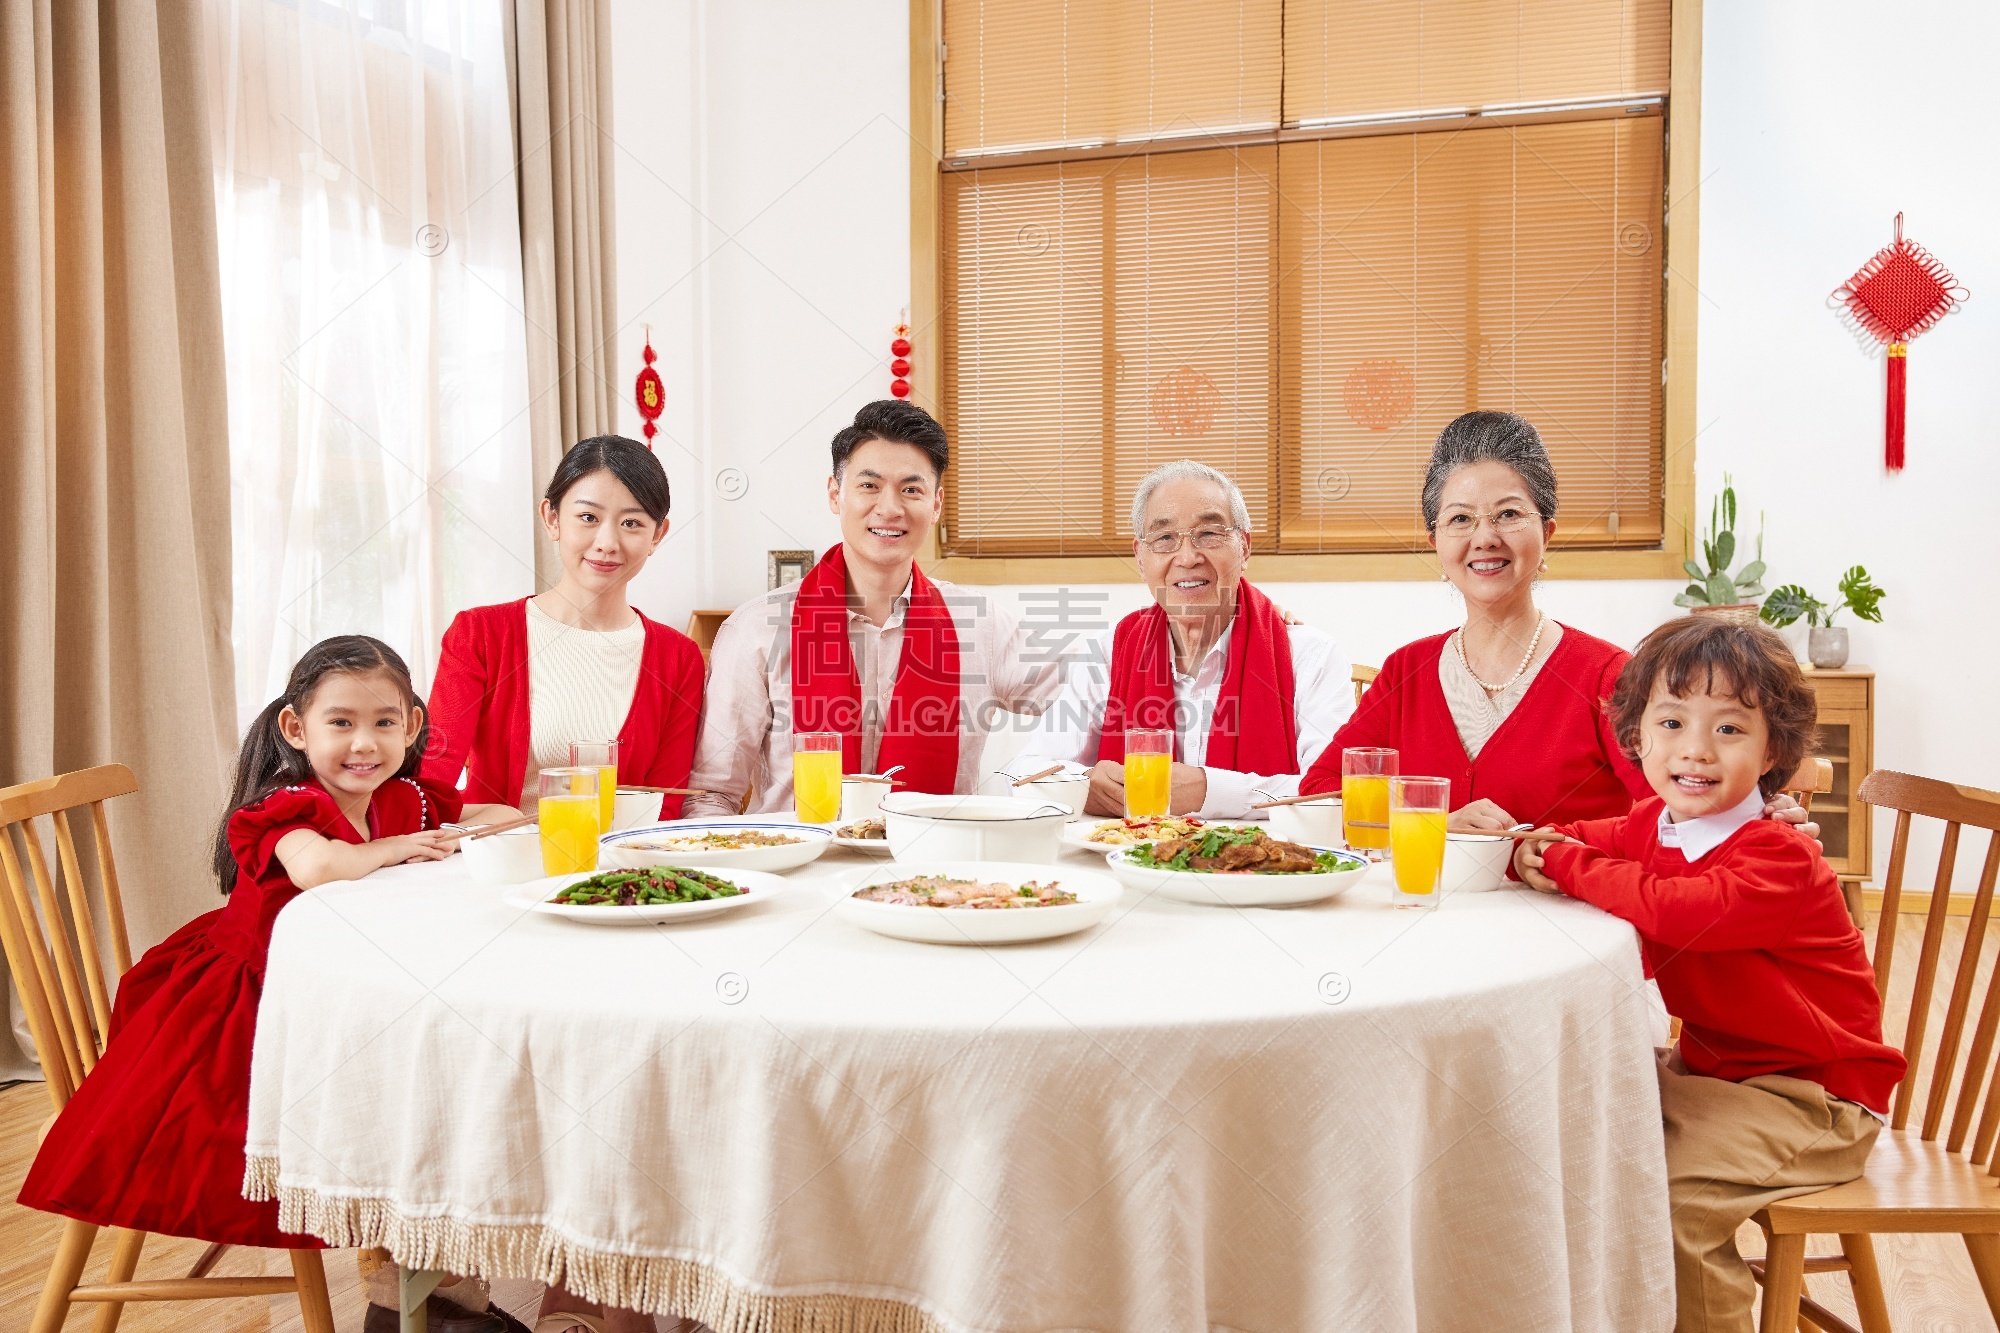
x: 1679, y: 429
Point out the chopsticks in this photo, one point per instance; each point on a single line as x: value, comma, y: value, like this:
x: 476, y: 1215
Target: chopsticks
x: 1301, y: 800
x: 488, y: 830
x: 1050, y: 771
x: 872, y: 777
x: 662, y: 791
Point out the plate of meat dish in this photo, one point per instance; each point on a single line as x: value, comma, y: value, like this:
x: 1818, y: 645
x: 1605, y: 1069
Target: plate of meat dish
x: 864, y: 835
x: 715, y: 844
x: 978, y: 902
x: 1223, y: 865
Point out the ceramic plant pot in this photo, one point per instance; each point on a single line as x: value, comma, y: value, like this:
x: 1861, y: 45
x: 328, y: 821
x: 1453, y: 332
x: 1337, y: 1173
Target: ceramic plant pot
x: 1827, y: 647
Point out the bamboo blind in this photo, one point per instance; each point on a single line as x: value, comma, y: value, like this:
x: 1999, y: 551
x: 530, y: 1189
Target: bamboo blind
x: 1304, y: 312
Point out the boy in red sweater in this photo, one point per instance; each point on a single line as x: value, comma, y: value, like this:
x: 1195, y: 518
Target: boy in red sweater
x: 1781, y: 1078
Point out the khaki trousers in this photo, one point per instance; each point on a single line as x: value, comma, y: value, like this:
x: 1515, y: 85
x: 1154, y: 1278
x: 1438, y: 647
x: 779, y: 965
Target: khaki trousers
x: 1732, y: 1148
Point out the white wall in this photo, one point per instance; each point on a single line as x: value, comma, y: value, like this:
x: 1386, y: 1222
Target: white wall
x: 763, y: 213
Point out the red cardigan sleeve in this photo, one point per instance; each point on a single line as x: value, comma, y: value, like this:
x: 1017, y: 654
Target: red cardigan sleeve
x: 1372, y: 723
x: 682, y: 680
x: 458, y: 693
x: 1749, y: 898
x: 1622, y: 764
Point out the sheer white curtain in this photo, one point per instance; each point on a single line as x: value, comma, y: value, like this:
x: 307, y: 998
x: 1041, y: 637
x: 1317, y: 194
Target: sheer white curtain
x: 368, y: 220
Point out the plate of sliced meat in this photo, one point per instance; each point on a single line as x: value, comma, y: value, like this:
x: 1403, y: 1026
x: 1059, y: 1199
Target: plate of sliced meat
x: 1225, y: 865
x: 979, y: 902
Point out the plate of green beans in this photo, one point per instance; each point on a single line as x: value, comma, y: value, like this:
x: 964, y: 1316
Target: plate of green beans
x: 645, y: 896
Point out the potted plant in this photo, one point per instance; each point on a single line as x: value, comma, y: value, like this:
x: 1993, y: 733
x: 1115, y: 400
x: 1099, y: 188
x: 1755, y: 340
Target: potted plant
x: 1826, y: 642
x: 1715, y: 589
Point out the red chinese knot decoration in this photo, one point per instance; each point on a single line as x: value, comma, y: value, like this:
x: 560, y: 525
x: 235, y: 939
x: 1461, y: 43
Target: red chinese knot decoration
x: 1185, y: 403
x: 1380, y: 393
x: 650, y: 392
x: 1899, y: 293
x: 899, y: 367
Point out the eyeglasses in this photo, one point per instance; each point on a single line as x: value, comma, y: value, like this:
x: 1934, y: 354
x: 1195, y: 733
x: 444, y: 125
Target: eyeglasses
x: 1506, y: 522
x: 1205, y: 539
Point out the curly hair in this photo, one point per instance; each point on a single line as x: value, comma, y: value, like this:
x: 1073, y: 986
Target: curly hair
x: 1713, y: 654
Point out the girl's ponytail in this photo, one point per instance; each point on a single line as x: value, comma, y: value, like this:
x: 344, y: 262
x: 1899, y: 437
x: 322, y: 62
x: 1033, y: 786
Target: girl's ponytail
x: 268, y: 761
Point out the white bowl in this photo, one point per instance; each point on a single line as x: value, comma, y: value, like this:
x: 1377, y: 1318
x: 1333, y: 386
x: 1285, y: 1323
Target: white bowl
x: 1315, y: 823
x: 513, y: 857
x: 1218, y: 889
x: 1475, y: 864
x: 1097, y: 893
x: 616, y: 852
x: 972, y: 828
x: 630, y: 809
x: 1069, y: 791
x: 858, y: 799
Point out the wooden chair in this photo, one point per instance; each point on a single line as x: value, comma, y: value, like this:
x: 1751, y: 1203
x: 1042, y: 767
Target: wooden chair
x: 1363, y: 677
x: 1913, y: 1182
x: 1815, y: 778
x: 55, y: 938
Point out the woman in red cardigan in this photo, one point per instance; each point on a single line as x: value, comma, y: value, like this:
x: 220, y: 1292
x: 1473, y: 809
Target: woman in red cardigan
x: 1511, y: 705
x: 517, y: 682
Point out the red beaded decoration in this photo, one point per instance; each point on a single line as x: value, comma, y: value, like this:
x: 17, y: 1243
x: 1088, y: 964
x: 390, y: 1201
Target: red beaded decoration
x: 650, y: 392
x: 899, y: 349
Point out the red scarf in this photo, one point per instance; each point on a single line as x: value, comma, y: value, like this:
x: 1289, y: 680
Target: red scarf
x: 1255, y: 728
x: 921, y: 730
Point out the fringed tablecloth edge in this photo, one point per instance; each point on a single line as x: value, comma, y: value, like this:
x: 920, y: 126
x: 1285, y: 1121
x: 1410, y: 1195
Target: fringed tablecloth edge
x: 636, y: 1282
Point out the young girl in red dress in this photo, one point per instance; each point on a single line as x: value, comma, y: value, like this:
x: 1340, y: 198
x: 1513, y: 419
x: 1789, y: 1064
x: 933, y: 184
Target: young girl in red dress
x: 326, y: 789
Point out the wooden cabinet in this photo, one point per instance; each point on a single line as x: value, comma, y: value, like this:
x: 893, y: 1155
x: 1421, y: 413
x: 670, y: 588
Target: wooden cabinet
x: 1847, y: 739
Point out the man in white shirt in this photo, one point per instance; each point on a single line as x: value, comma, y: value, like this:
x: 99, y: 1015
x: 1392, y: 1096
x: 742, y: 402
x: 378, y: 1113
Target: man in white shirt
x: 1269, y: 694
x: 910, y: 669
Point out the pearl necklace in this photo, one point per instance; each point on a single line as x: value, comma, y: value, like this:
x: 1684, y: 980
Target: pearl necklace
x: 1458, y: 640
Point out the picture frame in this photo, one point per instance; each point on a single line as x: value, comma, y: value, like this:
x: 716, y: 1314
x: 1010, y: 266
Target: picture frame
x: 782, y: 567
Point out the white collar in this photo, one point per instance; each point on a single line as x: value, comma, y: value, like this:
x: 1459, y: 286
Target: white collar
x: 1698, y: 837
x: 899, y: 605
x: 1219, y: 648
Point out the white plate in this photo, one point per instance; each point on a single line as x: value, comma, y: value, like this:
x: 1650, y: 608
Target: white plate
x: 872, y: 846
x: 1218, y: 889
x: 757, y: 885
x: 1097, y: 893
x: 1077, y: 834
x: 813, y: 839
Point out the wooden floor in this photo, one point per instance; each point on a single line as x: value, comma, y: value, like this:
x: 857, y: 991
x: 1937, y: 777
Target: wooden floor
x: 1930, y: 1281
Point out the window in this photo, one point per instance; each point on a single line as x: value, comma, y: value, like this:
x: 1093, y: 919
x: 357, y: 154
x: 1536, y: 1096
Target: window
x: 1292, y: 241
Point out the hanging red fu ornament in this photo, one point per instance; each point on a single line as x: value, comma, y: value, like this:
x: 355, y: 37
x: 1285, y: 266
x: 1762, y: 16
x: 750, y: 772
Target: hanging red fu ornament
x: 650, y: 392
x: 1896, y: 295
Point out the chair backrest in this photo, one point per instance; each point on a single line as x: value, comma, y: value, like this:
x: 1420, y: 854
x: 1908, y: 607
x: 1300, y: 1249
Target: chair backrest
x: 49, y: 924
x: 1363, y: 677
x: 1958, y: 808
x: 1814, y: 778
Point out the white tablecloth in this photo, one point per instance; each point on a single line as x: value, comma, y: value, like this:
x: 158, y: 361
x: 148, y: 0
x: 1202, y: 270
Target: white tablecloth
x: 1335, y: 1117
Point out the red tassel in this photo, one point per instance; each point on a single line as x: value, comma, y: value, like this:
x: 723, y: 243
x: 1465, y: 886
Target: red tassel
x: 1899, y: 360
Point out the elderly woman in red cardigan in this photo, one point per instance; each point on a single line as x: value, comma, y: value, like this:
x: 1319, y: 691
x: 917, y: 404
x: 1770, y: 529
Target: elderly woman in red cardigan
x: 1509, y: 706
x: 517, y: 682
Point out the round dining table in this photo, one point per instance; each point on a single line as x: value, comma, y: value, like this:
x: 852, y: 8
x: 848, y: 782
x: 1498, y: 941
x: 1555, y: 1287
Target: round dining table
x: 1343, y: 1115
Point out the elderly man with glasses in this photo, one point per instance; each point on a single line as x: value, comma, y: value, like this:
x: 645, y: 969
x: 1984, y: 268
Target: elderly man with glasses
x: 1249, y: 698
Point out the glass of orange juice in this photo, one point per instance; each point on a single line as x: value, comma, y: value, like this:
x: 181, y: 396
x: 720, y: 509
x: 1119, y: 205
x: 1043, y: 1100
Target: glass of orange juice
x: 1149, y: 772
x: 602, y: 756
x: 1417, y: 810
x: 569, y: 822
x: 816, y: 776
x: 1364, y: 796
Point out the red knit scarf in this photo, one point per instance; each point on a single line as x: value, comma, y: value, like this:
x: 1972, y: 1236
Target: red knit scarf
x: 921, y: 730
x: 1255, y: 728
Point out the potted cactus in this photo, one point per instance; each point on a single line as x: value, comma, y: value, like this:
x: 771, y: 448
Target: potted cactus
x: 1713, y: 588
x: 1826, y: 642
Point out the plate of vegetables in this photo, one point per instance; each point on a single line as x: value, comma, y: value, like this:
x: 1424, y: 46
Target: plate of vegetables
x: 1236, y: 866
x: 645, y: 896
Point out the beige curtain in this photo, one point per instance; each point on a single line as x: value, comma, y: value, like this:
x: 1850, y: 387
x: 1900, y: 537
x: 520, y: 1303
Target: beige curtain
x: 114, y: 469
x: 561, y: 89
